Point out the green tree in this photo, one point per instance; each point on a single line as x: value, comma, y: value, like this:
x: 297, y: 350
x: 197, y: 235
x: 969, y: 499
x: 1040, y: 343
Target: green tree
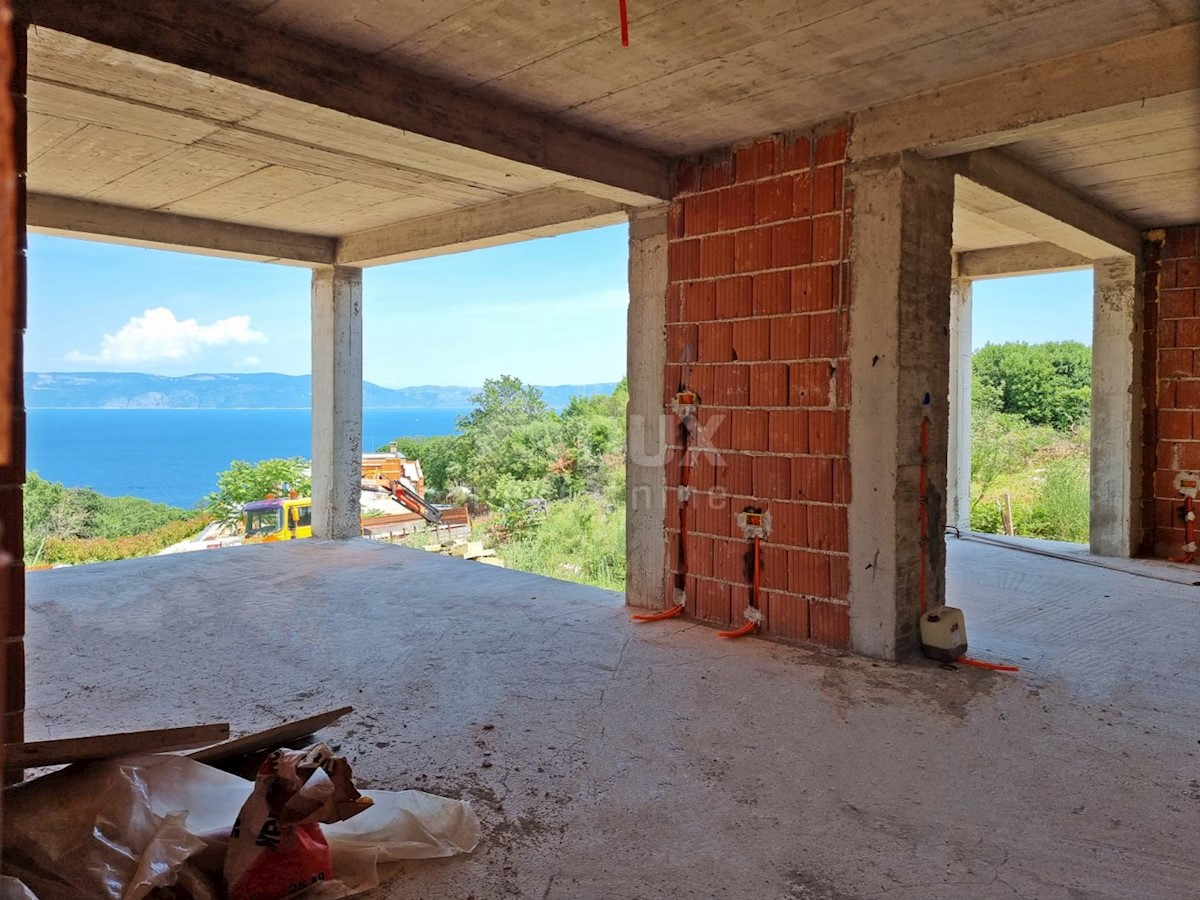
x: 1045, y: 384
x: 52, y: 512
x: 440, y: 457
x: 244, y: 481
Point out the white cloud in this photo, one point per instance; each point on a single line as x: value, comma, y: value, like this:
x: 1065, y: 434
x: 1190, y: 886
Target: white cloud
x: 251, y: 361
x: 157, y: 336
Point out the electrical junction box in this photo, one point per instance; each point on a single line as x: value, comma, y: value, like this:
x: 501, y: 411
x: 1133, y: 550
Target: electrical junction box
x: 944, y: 633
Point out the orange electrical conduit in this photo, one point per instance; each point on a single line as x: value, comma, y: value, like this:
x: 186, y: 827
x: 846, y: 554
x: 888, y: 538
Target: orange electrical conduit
x: 751, y: 624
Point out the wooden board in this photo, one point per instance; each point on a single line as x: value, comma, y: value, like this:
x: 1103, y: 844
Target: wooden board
x: 270, y: 738
x: 33, y: 754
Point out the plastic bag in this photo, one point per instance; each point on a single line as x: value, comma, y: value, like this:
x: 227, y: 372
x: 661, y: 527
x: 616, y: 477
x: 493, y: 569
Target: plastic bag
x: 277, y: 848
x: 115, y: 830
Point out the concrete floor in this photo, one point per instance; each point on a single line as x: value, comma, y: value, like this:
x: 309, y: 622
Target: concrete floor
x: 612, y: 760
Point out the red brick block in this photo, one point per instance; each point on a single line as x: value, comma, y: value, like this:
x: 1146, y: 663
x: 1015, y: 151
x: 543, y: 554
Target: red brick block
x: 1175, y: 363
x: 789, y: 524
x: 749, y: 429
x: 827, y: 238
x: 1174, y: 425
x: 699, y: 301
x: 827, y: 527
x: 700, y: 549
x: 681, y: 343
x: 773, y: 200
x: 772, y: 477
x: 731, y: 385
x: 769, y: 384
x: 1187, y: 395
x: 791, y: 243
x: 1165, y: 394
x: 829, y: 624
x: 786, y: 616
x: 1182, y: 242
x: 797, y: 153
x: 675, y: 220
x: 1187, y: 333
x: 715, y: 256
x: 1188, y: 272
x: 773, y: 568
x: 737, y: 476
x: 716, y: 174
x: 831, y: 147
x: 686, y: 177
x: 842, y: 381
x: 1167, y: 333
x: 759, y: 160
x: 752, y: 250
x: 712, y: 601
x: 683, y: 260
x: 772, y: 293
x: 841, y: 481
x: 802, y: 185
x: 812, y: 479
x: 810, y: 573
x: 810, y: 382
x: 847, y: 243
x: 839, y: 577
x: 736, y: 207
x: 672, y: 381
x: 700, y: 214
x: 734, y: 297
x: 790, y: 337
x: 715, y: 429
x: 1168, y: 275
x: 827, y: 190
x: 827, y: 432
x: 715, y: 342
x: 822, y: 336
x: 703, y: 380
x: 751, y: 339
x: 1177, y: 304
x: 788, y: 431
x: 730, y: 560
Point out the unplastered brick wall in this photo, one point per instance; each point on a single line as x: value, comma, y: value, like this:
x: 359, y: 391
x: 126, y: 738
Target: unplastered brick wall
x: 757, y: 327
x: 1172, y: 294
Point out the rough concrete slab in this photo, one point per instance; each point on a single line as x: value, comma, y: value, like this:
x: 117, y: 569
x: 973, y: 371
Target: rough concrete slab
x: 611, y: 760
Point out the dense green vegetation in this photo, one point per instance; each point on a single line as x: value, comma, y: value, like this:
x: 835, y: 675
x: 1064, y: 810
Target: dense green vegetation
x: 551, y: 485
x: 245, y: 481
x: 56, y: 516
x: 1030, y: 435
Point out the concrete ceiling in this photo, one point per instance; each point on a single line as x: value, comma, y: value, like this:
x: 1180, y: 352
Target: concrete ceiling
x: 706, y: 73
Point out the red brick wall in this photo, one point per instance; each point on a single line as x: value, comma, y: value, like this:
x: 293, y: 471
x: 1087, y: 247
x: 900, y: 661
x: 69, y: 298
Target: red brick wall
x: 757, y: 326
x: 1172, y: 318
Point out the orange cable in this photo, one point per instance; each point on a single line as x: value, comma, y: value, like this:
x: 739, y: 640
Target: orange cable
x: 991, y: 667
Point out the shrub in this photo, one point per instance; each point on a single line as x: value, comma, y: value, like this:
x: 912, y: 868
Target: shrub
x: 73, y: 551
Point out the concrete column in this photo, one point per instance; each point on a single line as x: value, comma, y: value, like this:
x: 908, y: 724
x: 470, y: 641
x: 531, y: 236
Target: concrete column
x: 1116, y: 407
x: 899, y: 364
x: 645, y: 472
x: 958, y: 472
x: 337, y: 401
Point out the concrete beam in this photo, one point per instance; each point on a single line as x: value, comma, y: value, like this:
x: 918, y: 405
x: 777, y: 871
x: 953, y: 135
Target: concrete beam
x: 71, y: 217
x: 899, y: 366
x: 1019, y: 259
x: 216, y: 39
x: 336, y: 401
x: 1114, y: 524
x: 645, y: 462
x: 1067, y: 92
x: 1045, y: 208
x: 537, y: 214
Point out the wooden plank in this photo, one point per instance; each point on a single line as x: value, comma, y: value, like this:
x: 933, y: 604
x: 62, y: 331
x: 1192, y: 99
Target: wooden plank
x: 209, y: 37
x: 33, y: 754
x: 552, y: 210
x: 270, y: 738
x: 72, y: 217
x: 1049, y: 210
x: 1082, y: 89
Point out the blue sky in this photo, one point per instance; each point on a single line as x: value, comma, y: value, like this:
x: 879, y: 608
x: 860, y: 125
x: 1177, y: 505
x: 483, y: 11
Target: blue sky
x: 550, y: 311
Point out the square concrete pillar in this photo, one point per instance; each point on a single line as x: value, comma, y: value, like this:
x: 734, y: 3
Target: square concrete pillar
x: 958, y: 472
x: 1115, y: 521
x: 899, y: 368
x: 645, y: 474
x: 336, y: 401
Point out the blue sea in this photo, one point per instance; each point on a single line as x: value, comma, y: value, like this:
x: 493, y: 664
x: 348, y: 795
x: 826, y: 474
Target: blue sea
x: 173, y: 455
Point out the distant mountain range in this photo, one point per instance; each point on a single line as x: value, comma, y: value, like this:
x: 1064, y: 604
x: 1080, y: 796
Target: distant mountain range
x: 131, y: 390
